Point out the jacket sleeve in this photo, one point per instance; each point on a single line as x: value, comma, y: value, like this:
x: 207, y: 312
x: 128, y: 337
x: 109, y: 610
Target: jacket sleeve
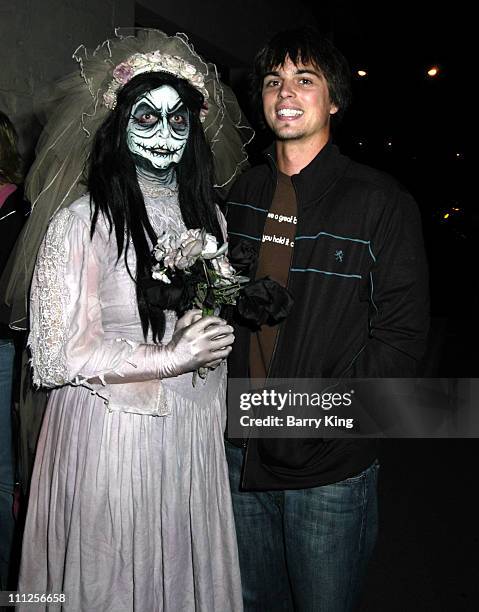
x: 398, y: 297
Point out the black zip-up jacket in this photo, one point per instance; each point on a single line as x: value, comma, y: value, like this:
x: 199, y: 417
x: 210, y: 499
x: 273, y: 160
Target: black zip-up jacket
x: 361, y: 301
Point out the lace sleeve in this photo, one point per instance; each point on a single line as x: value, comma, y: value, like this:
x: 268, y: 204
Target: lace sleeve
x: 65, y: 318
x: 48, y: 299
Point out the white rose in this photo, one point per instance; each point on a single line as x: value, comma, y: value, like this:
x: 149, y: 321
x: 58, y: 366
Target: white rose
x: 165, y: 243
x: 188, y: 235
x: 192, y: 248
x: 170, y: 258
x: 223, y: 267
x: 210, y: 247
x: 159, y: 274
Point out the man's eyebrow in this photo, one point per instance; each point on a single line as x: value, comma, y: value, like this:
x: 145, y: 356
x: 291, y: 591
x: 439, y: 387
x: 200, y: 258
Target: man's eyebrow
x: 308, y: 71
x: 298, y: 71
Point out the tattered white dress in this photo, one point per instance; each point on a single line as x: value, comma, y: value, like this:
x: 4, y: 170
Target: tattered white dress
x: 130, y: 504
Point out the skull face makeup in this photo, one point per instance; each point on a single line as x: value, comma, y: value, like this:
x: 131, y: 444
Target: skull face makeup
x: 158, y: 127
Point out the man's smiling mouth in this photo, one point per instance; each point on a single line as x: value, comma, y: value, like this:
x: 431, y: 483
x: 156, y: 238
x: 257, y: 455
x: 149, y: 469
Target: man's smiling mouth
x: 289, y: 112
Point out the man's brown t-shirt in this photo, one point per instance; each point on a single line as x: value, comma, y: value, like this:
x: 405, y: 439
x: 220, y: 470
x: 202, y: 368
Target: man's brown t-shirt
x: 275, y: 257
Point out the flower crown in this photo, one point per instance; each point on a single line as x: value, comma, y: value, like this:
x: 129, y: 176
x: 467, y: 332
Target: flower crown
x: 154, y: 62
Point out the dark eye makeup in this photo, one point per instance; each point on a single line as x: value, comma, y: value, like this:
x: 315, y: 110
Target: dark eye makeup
x: 145, y: 115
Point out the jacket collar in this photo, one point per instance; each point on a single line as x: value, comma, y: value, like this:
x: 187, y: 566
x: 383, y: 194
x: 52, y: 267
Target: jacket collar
x: 318, y: 176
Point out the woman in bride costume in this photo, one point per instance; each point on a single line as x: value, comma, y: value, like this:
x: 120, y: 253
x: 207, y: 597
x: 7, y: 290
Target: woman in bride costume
x: 129, y: 505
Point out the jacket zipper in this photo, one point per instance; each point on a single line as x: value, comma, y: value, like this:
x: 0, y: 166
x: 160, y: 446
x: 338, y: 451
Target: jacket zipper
x: 289, y: 271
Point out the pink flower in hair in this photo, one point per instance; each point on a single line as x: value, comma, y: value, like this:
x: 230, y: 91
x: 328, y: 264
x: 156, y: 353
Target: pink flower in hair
x: 123, y: 73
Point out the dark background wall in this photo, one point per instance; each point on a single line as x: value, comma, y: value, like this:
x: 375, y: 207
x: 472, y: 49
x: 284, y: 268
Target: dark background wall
x: 38, y: 39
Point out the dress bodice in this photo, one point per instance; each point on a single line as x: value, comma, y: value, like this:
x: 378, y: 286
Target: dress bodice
x: 117, y: 290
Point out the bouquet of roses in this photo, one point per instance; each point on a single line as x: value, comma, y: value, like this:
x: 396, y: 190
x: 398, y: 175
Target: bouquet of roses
x: 195, y: 272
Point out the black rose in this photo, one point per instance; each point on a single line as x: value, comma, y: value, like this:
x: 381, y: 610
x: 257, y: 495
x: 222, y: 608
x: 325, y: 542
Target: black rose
x: 177, y: 296
x: 243, y: 257
x: 264, y: 301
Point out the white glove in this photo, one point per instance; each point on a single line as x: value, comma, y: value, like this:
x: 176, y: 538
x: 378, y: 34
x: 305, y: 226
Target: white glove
x: 202, y: 343
x: 197, y: 342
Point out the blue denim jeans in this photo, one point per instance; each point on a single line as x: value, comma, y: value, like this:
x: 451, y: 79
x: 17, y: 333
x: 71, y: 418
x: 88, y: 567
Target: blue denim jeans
x: 7, y: 353
x: 304, y: 550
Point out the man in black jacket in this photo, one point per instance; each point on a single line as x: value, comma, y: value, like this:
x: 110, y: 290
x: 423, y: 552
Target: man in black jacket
x: 346, y: 241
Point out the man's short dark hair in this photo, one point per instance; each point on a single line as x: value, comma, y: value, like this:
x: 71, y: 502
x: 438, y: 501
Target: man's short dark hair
x: 304, y: 45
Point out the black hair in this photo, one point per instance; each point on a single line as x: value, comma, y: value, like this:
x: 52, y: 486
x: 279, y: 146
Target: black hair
x: 114, y: 189
x: 304, y: 45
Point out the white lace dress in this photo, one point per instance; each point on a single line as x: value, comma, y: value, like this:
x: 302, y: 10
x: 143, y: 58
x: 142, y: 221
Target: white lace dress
x: 130, y: 504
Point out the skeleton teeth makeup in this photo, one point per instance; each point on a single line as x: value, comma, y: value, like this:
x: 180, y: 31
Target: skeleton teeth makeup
x: 158, y: 127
